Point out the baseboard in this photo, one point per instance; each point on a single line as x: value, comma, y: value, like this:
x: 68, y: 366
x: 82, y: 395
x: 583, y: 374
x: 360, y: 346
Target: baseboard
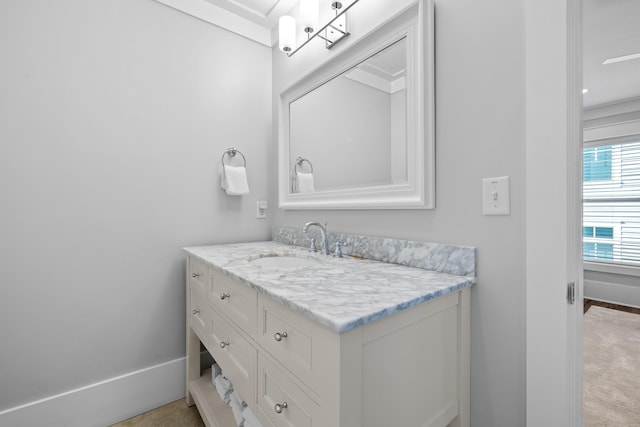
x: 106, y: 402
x: 612, y: 292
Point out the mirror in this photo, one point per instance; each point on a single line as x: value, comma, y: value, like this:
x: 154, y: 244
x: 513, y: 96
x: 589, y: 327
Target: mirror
x: 351, y: 131
x: 357, y: 133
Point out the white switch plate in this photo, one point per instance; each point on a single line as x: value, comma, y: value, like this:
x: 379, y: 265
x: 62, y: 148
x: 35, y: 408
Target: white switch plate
x: 495, y: 196
x: 261, y: 209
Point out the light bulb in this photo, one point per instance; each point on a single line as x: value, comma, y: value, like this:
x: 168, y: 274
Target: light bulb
x: 287, y: 33
x: 309, y: 15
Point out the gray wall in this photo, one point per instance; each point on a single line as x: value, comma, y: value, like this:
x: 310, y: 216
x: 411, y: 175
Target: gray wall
x: 480, y: 133
x: 113, y: 118
x: 334, y: 132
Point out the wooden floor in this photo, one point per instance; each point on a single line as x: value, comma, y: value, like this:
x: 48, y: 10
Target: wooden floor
x: 589, y: 302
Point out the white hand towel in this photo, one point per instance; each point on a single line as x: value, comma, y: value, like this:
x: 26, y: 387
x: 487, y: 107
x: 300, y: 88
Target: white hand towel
x: 215, y: 371
x: 234, y: 180
x: 237, y: 405
x: 224, y: 388
x: 250, y: 419
x: 305, y: 182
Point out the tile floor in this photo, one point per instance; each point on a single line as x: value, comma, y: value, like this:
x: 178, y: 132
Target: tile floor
x: 175, y: 414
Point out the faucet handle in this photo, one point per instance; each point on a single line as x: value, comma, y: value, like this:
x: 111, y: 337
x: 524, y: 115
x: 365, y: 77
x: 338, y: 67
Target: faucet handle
x: 313, y: 247
x: 338, y: 251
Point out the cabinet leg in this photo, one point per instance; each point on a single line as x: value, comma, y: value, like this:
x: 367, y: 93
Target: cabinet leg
x: 189, y: 399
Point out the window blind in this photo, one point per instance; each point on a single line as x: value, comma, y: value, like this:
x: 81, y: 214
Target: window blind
x: 611, y: 202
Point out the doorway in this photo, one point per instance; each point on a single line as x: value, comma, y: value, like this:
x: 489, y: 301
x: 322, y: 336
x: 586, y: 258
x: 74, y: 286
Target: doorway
x: 611, y: 143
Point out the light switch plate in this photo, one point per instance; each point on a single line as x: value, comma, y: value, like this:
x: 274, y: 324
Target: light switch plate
x: 495, y: 196
x: 261, y: 209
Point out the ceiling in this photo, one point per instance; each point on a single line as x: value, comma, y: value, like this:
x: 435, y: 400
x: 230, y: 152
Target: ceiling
x: 611, y: 29
x: 254, y: 19
x: 262, y: 12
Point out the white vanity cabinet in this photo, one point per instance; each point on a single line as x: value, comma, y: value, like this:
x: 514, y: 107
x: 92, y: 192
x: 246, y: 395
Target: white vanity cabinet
x: 409, y: 369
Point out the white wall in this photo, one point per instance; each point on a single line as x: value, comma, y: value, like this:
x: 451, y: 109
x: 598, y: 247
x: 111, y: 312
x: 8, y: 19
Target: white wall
x: 480, y: 132
x: 113, y: 118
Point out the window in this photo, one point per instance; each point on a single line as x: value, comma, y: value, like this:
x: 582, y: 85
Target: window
x: 604, y: 232
x: 597, y: 243
x: 597, y: 163
x: 611, y: 188
x: 597, y: 251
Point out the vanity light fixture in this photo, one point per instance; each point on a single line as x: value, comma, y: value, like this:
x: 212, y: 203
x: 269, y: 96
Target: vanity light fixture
x: 309, y: 15
x: 332, y: 32
x: 287, y: 33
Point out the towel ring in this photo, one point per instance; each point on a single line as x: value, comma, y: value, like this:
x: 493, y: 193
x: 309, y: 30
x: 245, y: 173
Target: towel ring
x: 231, y: 152
x: 299, y: 162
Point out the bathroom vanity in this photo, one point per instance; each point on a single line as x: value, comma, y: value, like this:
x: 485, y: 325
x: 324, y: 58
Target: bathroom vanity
x: 312, y: 340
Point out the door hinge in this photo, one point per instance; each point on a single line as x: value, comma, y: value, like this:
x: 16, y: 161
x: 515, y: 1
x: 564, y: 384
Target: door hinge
x: 571, y: 292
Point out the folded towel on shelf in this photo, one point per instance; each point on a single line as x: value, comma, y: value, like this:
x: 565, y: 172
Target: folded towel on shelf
x: 224, y: 388
x: 304, y: 182
x: 233, y: 180
x: 237, y: 405
x: 215, y: 371
x: 250, y: 419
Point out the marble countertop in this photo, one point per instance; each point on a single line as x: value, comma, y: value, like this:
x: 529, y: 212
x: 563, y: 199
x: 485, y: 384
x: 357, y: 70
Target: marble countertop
x: 340, y: 293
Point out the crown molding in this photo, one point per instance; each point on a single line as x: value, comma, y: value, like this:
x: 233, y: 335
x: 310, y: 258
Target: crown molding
x: 222, y: 18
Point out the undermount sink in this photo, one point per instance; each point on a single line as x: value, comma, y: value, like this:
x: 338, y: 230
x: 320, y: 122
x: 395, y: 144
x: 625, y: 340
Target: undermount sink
x: 284, y: 261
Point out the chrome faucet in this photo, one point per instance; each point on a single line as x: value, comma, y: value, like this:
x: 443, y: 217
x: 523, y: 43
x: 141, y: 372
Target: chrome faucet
x: 323, y: 232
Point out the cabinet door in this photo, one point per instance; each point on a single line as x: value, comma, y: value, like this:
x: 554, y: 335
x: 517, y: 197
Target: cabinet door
x: 198, y: 275
x: 235, y: 300
x: 281, y: 402
x: 235, y: 355
x: 199, y: 313
x: 309, y: 350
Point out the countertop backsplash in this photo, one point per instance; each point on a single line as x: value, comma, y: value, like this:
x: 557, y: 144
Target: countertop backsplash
x: 451, y: 259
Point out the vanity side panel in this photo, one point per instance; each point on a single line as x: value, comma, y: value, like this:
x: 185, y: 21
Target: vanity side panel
x: 464, y: 360
x: 192, y: 365
x: 410, y: 367
x: 349, y: 395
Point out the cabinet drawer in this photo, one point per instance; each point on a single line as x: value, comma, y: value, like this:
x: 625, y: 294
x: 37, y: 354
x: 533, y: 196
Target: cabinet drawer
x: 235, y: 300
x: 307, y: 349
x: 200, y: 314
x: 235, y: 355
x: 198, y: 275
x: 296, y: 408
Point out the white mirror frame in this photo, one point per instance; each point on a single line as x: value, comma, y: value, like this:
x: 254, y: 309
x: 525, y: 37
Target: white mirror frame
x: 417, y: 25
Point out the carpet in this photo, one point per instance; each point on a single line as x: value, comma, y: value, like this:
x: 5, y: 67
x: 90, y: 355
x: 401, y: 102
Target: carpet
x: 611, y: 376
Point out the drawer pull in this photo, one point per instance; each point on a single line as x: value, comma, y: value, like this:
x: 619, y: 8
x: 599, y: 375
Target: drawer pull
x: 224, y: 344
x: 278, y: 337
x: 224, y: 296
x: 195, y: 275
x: 280, y: 406
x: 196, y: 312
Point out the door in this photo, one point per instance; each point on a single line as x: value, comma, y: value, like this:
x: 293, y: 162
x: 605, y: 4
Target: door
x: 553, y: 122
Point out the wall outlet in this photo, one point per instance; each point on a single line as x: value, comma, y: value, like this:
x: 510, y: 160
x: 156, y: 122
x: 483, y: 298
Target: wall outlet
x: 261, y: 209
x: 495, y: 196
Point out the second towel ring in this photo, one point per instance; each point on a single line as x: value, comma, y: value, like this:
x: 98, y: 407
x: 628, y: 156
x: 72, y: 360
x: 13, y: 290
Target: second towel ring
x: 231, y: 152
x: 299, y: 162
